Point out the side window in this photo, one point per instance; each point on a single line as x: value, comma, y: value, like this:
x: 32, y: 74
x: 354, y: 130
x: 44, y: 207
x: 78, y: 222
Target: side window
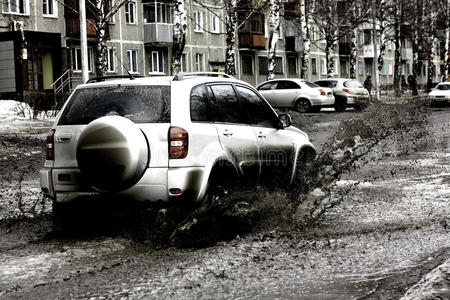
x: 203, y: 106
x: 228, y: 103
x: 268, y: 86
x: 287, y: 85
x: 259, y: 111
x: 199, y: 103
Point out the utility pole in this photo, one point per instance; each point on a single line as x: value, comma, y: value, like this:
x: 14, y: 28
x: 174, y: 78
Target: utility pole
x: 375, y: 52
x: 83, y: 42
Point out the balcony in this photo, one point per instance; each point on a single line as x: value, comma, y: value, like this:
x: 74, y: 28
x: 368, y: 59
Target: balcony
x: 252, y: 40
x: 158, y: 33
x: 73, y: 27
x: 407, y: 53
x: 345, y: 48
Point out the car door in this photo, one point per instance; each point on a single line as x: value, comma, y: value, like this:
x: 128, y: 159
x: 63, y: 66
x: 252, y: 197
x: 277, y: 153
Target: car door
x: 286, y: 93
x: 274, y: 145
x: 268, y: 91
x: 236, y: 137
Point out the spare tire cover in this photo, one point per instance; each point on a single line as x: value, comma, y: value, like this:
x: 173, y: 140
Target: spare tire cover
x: 112, y: 153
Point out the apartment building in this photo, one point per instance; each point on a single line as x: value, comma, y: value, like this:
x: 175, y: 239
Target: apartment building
x: 140, y: 39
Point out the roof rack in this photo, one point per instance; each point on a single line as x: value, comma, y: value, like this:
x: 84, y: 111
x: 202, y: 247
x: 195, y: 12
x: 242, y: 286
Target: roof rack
x: 104, y: 78
x: 180, y: 76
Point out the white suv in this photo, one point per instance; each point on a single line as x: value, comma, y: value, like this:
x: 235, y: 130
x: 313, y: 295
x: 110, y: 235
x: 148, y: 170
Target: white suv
x: 160, y: 138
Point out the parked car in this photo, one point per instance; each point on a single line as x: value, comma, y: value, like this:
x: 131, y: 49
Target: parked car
x: 347, y: 93
x: 298, y: 94
x: 440, y: 94
x: 162, y: 138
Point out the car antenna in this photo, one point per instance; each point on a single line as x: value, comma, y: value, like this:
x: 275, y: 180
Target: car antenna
x: 129, y: 74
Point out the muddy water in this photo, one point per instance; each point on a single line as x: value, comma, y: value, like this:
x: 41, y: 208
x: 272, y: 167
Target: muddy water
x: 387, y: 225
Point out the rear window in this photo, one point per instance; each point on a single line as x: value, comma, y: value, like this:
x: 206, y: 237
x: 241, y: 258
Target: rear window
x: 353, y: 84
x: 443, y: 87
x: 310, y: 84
x: 140, y: 104
x: 327, y: 83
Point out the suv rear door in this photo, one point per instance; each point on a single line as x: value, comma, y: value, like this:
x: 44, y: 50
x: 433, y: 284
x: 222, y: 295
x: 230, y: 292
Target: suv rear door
x: 237, y: 138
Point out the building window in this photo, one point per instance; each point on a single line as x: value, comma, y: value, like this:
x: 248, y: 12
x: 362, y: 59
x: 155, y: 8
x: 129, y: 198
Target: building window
x: 157, y: 62
x: 16, y: 6
x: 368, y: 67
x: 263, y: 65
x: 130, y: 13
x: 198, y: 21
x: 391, y: 69
x: 360, y: 68
x: 313, y: 66
x: 76, y: 59
x: 343, y: 65
x: 199, y: 63
x: 111, y: 60
x: 292, y: 65
x: 34, y: 69
x: 247, y: 64
x: 49, y: 8
x: 184, y: 67
x: 133, y: 60
x: 253, y: 25
x: 158, y: 12
x: 367, y: 37
x: 323, y: 67
x: 215, y: 24
x: 383, y: 70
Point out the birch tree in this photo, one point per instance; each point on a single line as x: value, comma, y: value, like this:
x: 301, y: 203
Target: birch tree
x: 333, y: 24
x: 305, y: 30
x: 230, y: 31
x: 417, y: 40
x: 274, y: 28
x: 102, y: 12
x: 179, y: 35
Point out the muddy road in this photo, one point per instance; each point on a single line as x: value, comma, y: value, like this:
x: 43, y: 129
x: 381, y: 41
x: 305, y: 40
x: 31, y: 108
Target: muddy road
x: 386, y: 225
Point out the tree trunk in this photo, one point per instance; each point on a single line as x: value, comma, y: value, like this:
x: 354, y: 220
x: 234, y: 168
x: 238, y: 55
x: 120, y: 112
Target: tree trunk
x: 328, y: 56
x: 101, y: 50
x: 397, y: 56
x: 353, y: 43
x: 446, y: 46
x: 306, y: 34
x: 417, y: 44
x: 431, y: 43
x: 230, y: 28
x: 179, y: 35
x: 274, y: 27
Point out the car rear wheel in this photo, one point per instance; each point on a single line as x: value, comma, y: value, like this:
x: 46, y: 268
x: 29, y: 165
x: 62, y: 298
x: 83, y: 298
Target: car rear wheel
x: 112, y: 154
x: 302, y: 106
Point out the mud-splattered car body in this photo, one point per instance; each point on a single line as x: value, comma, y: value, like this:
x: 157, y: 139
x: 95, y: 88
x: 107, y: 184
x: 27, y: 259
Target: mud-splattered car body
x: 156, y: 139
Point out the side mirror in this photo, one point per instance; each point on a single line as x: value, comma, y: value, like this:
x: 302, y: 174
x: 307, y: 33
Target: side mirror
x: 285, y: 120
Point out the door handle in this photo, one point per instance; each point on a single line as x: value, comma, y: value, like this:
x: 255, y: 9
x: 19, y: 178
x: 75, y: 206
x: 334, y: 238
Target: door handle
x: 227, y: 134
x: 261, y: 135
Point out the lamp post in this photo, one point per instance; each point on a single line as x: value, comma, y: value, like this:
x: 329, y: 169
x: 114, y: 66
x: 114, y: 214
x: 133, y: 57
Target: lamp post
x: 83, y: 42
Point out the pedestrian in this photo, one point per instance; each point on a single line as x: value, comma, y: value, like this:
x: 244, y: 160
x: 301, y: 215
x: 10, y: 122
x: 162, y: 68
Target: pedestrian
x: 412, y: 84
x: 368, y: 85
x: 404, y: 85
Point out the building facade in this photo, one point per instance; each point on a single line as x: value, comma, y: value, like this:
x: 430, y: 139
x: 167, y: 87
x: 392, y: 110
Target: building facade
x: 39, y: 43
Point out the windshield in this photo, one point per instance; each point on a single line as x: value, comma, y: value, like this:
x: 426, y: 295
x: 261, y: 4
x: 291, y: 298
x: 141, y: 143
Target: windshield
x: 310, y: 84
x: 353, y: 84
x: 140, y: 104
x: 443, y: 87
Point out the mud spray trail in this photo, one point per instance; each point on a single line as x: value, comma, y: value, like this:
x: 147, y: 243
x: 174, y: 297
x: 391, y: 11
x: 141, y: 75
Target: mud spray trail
x: 370, y: 223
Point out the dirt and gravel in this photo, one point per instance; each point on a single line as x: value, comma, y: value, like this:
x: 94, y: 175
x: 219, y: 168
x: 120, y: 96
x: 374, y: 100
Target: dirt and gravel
x: 385, y: 224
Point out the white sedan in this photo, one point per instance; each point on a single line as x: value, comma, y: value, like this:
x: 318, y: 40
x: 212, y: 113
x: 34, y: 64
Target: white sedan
x: 440, y: 94
x: 299, y: 94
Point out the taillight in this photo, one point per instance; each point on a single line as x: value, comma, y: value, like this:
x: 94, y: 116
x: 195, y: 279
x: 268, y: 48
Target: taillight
x: 178, y: 143
x: 322, y: 93
x: 50, y: 146
x: 347, y: 91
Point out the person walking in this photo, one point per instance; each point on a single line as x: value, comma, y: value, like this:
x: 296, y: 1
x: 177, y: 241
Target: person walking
x: 368, y: 85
